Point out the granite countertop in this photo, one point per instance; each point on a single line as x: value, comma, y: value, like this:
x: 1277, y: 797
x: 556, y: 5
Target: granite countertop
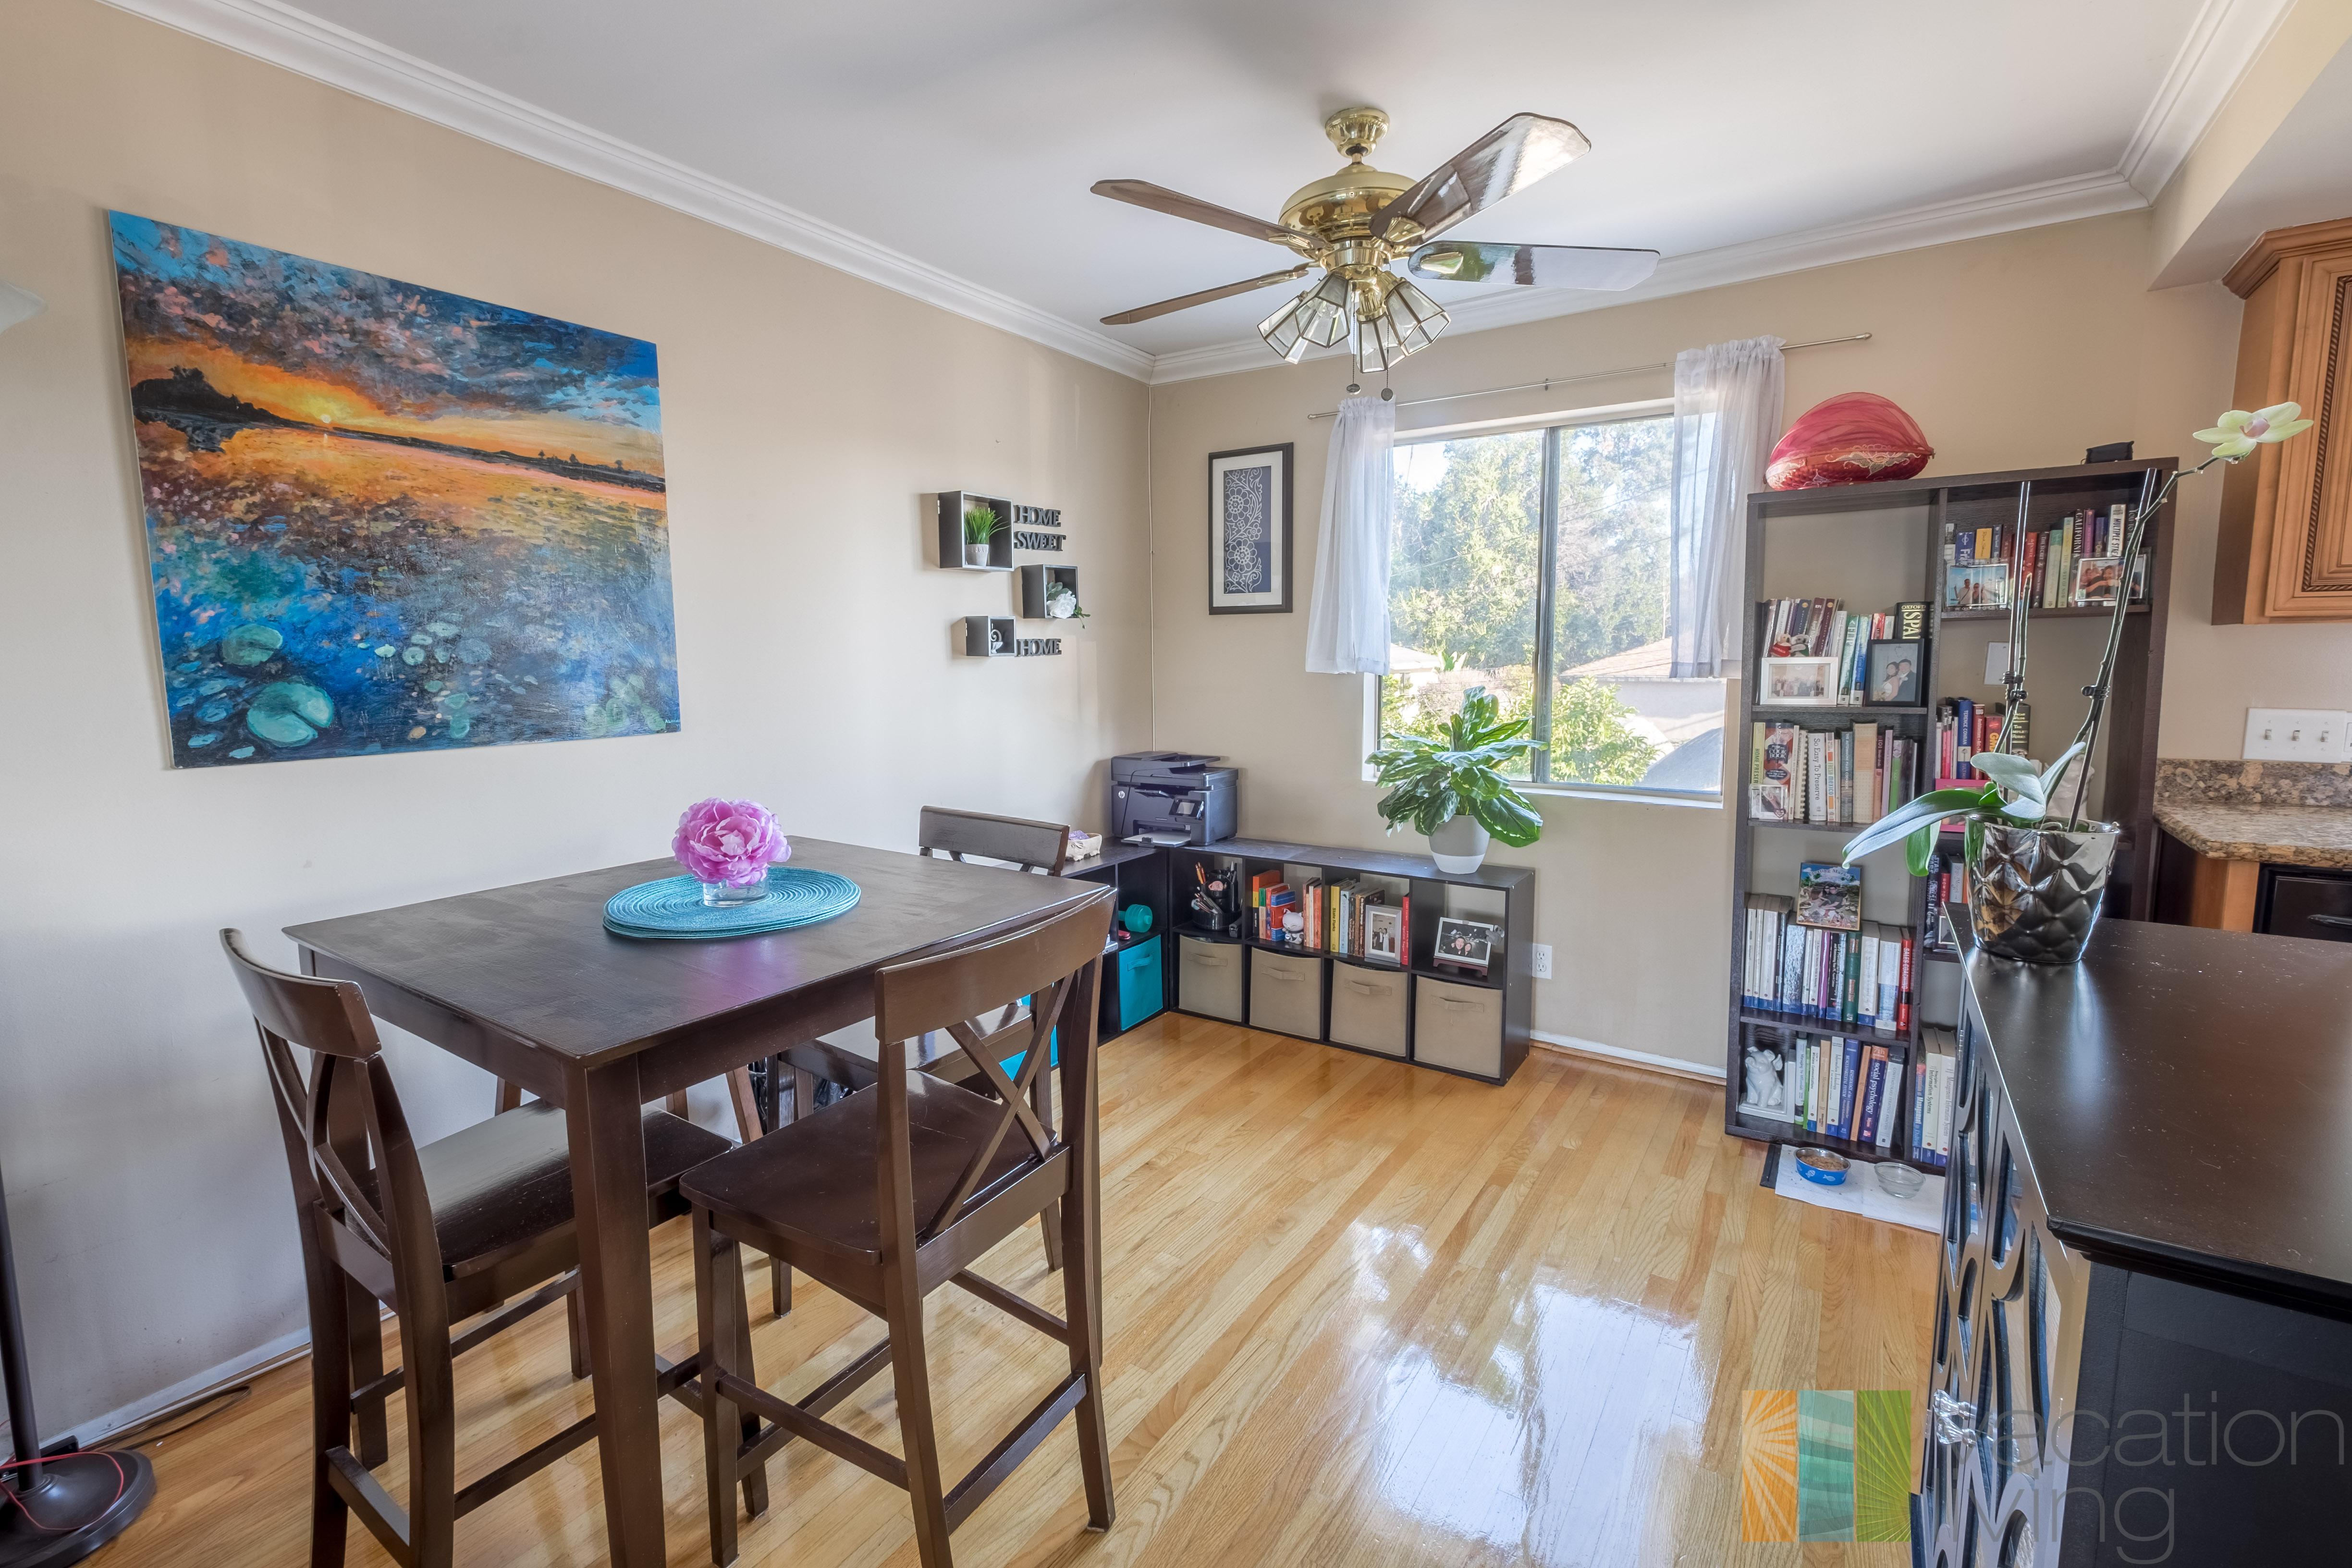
x: 2287, y: 835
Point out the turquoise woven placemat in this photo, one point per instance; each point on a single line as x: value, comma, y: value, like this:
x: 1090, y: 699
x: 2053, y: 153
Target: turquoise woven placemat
x: 672, y: 906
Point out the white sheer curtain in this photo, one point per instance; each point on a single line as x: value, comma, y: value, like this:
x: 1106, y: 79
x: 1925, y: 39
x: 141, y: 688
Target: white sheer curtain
x: 1348, y: 627
x: 1726, y: 417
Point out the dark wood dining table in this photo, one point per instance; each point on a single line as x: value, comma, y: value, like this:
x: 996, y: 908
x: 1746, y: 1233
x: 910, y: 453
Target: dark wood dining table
x: 527, y: 984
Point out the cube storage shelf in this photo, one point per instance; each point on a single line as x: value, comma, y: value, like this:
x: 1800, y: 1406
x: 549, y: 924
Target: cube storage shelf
x: 1872, y: 546
x: 1444, y: 1019
x: 953, y: 504
x: 978, y: 642
x: 1034, y: 581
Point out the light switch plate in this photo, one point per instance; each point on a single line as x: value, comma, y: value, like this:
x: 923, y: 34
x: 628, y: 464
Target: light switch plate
x: 2298, y: 735
x: 1540, y: 959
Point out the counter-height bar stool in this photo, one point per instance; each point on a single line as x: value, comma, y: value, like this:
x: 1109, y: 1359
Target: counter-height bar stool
x: 893, y: 1193
x: 437, y: 1233
x: 851, y: 1058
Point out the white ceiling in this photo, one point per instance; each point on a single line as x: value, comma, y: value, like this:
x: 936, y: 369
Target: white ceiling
x: 946, y: 149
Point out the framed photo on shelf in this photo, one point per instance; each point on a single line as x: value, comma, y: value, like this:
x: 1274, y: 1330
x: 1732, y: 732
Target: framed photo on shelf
x: 1467, y: 946
x: 1898, y: 673
x: 1800, y: 682
x: 1982, y: 586
x: 1383, y: 934
x: 2097, y: 579
x: 1829, y: 895
x: 1249, y: 532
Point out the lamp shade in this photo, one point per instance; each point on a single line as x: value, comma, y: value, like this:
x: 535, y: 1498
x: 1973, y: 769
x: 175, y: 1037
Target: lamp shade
x: 17, y: 305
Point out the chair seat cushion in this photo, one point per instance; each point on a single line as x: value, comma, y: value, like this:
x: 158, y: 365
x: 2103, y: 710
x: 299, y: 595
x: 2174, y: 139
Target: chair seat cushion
x: 813, y: 1180
x: 501, y: 1185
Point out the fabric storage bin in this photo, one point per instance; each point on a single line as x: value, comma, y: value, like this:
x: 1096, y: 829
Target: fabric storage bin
x: 1369, y: 1007
x: 1286, y: 994
x: 1209, y: 977
x: 1138, y: 992
x: 1458, y: 1027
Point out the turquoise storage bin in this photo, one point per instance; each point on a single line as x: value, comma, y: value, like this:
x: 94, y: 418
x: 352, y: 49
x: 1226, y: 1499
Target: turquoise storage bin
x: 1140, y: 991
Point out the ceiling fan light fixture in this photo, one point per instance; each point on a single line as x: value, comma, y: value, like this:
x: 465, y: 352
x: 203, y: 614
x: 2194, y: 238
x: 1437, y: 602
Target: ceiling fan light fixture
x: 1419, y: 318
x: 1405, y: 323
x: 1318, y: 317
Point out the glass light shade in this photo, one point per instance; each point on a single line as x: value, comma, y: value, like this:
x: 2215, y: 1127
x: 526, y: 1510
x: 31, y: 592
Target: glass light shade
x: 1407, y: 322
x: 1318, y: 316
x: 1419, y: 319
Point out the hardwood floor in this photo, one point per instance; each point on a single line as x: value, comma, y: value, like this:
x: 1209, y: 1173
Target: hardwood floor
x: 1358, y: 1313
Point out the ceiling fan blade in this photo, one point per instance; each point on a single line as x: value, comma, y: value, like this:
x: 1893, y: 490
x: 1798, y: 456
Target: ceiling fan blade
x: 1541, y: 265
x: 1511, y: 157
x: 1186, y: 302
x: 1175, y: 204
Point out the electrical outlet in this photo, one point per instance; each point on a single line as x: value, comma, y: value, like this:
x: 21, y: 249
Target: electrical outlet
x: 2297, y: 734
x: 1540, y: 959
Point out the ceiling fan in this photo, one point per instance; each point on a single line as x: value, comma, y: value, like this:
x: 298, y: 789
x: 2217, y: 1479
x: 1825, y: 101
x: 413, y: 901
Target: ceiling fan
x: 1355, y: 223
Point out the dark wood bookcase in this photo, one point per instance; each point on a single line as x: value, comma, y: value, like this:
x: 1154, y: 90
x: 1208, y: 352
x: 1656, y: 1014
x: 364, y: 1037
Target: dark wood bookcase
x: 1871, y: 547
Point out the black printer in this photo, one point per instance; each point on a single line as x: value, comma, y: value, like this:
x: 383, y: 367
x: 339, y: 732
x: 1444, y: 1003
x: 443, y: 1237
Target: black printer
x: 1172, y: 797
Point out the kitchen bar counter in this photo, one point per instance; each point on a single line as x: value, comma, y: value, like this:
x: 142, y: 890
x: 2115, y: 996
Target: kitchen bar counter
x: 2283, y: 834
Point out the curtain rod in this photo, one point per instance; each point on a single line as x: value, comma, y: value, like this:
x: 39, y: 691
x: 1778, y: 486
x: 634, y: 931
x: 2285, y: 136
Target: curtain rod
x: 1549, y: 382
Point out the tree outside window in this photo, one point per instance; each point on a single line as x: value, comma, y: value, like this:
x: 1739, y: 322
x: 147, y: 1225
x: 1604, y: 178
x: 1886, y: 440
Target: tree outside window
x: 1535, y: 563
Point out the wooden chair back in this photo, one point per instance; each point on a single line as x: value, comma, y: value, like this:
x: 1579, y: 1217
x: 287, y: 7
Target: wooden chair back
x: 951, y: 993
x: 1032, y: 846
x: 347, y: 1145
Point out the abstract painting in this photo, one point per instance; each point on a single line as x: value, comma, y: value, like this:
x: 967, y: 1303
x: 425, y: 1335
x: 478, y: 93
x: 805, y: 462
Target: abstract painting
x: 1249, y: 530
x: 385, y: 518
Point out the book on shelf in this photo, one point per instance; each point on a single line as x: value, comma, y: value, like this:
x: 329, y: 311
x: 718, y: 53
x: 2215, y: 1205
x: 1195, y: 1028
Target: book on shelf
x: 1843, y: 777
x: 1935, y: 1089
x: 1821, y: 628
x: 2055, y: 566
x: 1860, y: 978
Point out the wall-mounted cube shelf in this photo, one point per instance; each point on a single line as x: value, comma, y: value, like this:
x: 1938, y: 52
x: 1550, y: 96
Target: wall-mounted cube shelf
x: 953, y: 504
x: 1036, y: 579
x: 990, y: 637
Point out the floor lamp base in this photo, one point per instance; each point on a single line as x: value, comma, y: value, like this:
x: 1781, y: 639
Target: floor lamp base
x: 79, y: 1503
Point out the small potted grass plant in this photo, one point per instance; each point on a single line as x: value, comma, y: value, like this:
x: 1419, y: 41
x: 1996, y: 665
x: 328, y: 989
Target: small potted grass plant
x: 1450, y: 787
x: 980, y: 526
x: 2038, y: 868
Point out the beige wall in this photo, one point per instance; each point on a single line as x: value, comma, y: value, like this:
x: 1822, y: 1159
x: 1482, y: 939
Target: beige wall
x: 2014, y: 351
x: 804, y: 414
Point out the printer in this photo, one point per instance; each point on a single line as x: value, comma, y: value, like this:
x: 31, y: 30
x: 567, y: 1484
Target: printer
x: 1172, y: 797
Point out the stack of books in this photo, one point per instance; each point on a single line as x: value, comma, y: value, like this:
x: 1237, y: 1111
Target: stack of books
x: 1859, y: 978
x: 1832, y: 776
x: 1841, y: 1089
x: 1935, y: 1087
x: 1333, y: 913
x: 1963, y: 728
x: 1820, y: 628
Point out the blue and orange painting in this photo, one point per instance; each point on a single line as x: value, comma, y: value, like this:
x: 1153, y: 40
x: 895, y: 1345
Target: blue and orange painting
x: 385, y: 518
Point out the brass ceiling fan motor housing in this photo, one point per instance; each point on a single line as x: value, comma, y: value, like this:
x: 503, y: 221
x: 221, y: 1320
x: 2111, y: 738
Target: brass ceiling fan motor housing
x: 1339, y: 208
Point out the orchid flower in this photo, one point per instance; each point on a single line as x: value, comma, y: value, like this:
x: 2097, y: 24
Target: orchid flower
x: 2237, y: 433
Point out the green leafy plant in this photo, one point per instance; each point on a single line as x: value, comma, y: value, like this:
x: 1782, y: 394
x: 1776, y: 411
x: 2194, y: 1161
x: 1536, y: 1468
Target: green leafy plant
x: 1432, y: 780
x: 2015, y: 796
x: 981, y: 525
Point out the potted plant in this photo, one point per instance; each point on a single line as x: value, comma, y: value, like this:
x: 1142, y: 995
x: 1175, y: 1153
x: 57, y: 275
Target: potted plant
x: 1450, y: 788
x: 2037, y: 877
x: 981, y: 527
x: 1062, y: 602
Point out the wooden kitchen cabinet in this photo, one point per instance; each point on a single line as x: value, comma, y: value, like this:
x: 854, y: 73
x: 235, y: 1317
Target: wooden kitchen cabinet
x: 2285, y: 547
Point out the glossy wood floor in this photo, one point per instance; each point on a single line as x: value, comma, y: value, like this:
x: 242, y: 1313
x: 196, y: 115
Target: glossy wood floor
x: 1358, y: 1314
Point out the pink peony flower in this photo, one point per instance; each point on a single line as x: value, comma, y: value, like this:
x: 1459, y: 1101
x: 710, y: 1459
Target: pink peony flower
x: 730, y: 841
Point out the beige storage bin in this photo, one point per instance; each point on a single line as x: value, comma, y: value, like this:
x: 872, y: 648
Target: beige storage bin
x: 1209, y: 977
x: 1286, y: 994
x: 1369, y: 1007
x: 1458, y: 1027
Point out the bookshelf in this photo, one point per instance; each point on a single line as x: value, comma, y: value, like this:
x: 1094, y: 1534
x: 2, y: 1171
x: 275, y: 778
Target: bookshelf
x: 1871, y: 547
x: 1446, y: 1019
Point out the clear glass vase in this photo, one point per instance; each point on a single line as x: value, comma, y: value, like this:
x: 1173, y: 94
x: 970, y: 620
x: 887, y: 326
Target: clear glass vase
x: 728, y: 895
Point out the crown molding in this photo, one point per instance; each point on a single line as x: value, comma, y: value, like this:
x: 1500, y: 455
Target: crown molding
x: 281, y: 36
x: 2227, y: 36
x: 1941, y: 222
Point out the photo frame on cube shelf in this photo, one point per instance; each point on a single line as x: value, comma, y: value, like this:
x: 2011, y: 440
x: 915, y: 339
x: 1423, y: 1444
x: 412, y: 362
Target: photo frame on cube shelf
x: 1800, y: 682
x: 1829, y: 896
x: 1467, y: 946
x: 1249, y: 532
x: 1383, y: 934
x: 1982, y: 586
x: 2097, y: 579
x: 1897, y: 674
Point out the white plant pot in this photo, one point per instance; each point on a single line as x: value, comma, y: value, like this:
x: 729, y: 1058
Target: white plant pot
x: 1459, y: 846
x: 975, y: 555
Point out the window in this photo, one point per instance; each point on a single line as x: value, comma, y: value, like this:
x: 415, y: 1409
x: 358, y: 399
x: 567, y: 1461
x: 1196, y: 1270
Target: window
x: 1535, y: 563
